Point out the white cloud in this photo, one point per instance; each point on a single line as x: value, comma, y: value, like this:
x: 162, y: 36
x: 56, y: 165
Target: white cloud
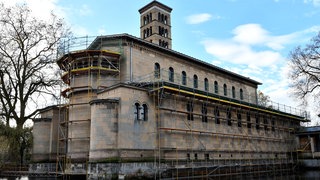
x: 254, y: 34
x: 238, y: 53
x: 42, y: 9
x: 250, y: 34
x: 84, y: 10
x: 199, y: 18
x: 254, y: 52
x: 252, y: 45
x: 79, y: 30
x: 313, y: 2
x: 39, y: 8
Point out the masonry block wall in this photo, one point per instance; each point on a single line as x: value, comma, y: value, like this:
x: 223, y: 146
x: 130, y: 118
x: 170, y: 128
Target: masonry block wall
x: 45, y: 134
x: 135, y: 137
x: 219, y: 140
x: 139, y: 62
x: 104, y: 129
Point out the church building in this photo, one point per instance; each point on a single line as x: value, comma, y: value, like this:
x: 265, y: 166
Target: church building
x: 136, y: 107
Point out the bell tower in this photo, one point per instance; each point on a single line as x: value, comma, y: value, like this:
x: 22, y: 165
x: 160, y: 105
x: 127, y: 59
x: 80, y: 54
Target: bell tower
x: 155, y: 24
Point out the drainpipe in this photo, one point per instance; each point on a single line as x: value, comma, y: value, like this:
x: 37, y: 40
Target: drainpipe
x: 131, y: 73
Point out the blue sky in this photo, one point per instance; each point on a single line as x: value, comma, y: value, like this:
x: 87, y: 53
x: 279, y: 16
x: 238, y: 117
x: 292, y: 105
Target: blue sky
x: 249, y: 37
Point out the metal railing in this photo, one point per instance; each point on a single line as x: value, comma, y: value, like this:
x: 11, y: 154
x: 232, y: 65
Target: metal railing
x: 219, y: 90
x: 67, y: 45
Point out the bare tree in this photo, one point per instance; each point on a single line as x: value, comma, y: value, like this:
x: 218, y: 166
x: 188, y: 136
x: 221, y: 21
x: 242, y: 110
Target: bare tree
x: 27, y: 53
x: 27, y: 70
x: 263, y: 100
x: 305, y: 70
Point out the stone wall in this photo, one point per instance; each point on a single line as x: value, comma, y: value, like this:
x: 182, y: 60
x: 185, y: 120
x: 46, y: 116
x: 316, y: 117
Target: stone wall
x: 79, y: 124
x: 139, y: 61
x: 45, y: 134
x: 115, y: 132
x: 184, y: 139
x: 144, y: 59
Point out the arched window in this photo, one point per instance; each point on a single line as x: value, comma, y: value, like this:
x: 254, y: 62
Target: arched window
x: 171, y: 74
x: 228, y: 113
x: 140, y: 112
x: 233, y: 92
x: 162, y: 18
x: 165, y: 33
x: 147, y: 18
x: 216, y: 88
x: 144, y: 113
x: 190, y: 110
x: 147, y: 32
x: 225, y: 90
x: 165, y: 20
x: 150, y: 16
x: 157, y: 70
x: 217, y: 115
x: 241, y: 94
x: 206, y: 84
x: 144, y: 20
x: 159, y: 17
x: 184, y: 78
x: 136, y: 111
x: 162, y: 31
x: 165, y: 44
x: 204, y: 111
x: 195, y: 81
x: 150, y: 31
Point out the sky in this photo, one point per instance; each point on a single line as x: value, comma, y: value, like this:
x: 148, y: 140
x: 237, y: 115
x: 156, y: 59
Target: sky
x: 249, y: 37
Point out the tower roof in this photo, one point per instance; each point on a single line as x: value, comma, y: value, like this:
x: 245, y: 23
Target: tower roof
x: 155, y: 3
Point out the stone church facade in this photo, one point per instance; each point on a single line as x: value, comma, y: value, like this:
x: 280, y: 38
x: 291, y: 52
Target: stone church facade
x: 136, y: 107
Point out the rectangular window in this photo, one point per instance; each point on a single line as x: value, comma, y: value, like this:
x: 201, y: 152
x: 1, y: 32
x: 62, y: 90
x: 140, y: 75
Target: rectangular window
x: 257, y: 122
x: 272, y: 125
x: 190, y: 110
x: 196, y: 156
x: 248, y: 120
x: 206, y: 157
x: 229, y: 117
x: 239, y: 119
x: 204, y: 111
x: 217, y: 115
x: 265, y: 122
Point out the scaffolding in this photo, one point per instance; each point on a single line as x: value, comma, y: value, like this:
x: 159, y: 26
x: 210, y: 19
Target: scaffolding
x: 85, y: 73
x: 238, y: 121
x: 271, y: 124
